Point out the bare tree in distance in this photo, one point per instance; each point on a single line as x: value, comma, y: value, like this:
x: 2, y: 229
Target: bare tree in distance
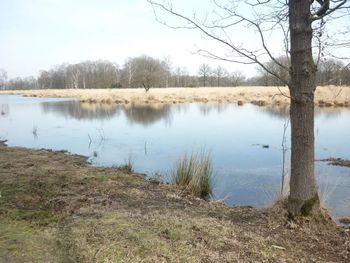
x: 167, y: 65
x: 3, y: 78
x: 283, y: 72
x: 204, y: 72
x: 330, y: 72
x: 219, y: 73
x: 301, y: 26
x: 236, y: 78
x: 146, y: 72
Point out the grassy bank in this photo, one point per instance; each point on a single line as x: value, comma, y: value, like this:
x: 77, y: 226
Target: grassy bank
x: 55, y: 208
x: 324, y: 96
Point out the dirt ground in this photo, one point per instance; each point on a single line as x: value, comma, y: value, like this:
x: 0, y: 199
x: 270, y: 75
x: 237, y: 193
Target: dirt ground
x: 326, y: 96
x: 56, y: 208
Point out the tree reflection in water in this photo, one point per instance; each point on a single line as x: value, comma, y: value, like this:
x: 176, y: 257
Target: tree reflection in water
x: 81, y: 111
x: 205, y: 109
x: 282, y: 111
x: 4, y: 110
x: 144, y: 114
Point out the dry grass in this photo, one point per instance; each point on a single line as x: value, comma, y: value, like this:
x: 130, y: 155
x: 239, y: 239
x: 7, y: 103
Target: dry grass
x: 324, y: 96
x: 194, y: 173
x: 55, y: 208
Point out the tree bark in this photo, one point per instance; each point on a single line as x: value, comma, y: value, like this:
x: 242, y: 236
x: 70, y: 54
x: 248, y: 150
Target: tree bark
x: 303, y: 198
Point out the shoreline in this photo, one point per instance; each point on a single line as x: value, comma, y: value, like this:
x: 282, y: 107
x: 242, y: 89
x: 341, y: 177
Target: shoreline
x: 327, y: 96
x: 55, y: 207
x: 336, y: 162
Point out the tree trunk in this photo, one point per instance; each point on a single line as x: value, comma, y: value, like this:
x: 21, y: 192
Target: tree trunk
x: 303, y: 198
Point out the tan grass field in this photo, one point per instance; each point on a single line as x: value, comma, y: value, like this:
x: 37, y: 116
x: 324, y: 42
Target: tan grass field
x: 324, y: 96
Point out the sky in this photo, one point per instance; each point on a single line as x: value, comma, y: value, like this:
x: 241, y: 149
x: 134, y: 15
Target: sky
x: 38, y: 34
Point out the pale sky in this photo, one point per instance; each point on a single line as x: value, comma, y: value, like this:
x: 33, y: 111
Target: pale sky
x: 38, y: 34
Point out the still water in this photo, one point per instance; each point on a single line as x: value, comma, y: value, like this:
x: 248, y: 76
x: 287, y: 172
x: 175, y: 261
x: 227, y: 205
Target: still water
x: 154, y: 136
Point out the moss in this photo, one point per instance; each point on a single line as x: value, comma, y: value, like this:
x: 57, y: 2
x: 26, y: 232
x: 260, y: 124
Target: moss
x: 302, y: 207
x: 309, y: 205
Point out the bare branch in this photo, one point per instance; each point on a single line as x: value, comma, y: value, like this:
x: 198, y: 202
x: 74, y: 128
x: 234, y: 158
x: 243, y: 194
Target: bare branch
x: 326, y: 10
x: 250, y: 56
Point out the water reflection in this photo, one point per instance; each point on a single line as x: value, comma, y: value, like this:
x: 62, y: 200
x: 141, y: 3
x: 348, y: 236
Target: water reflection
x: 144, y: 114
x: 81, y: 111
x: 147, y: 114
x: 4, y: 110
x: 330, y: 112
x: 276, y: 111
x: 206, y: 109
x: 282, y: 111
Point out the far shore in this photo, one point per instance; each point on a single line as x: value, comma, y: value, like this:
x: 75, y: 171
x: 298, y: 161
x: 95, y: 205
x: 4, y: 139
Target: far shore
x: 325, y: 96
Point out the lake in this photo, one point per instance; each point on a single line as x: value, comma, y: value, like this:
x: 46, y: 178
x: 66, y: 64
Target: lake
x: 155, y: 136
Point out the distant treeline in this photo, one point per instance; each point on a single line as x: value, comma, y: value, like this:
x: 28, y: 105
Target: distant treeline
x: 148, y: 72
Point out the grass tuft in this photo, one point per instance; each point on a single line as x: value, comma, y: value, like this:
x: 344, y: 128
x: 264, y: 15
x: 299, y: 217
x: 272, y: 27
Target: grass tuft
x: 128, y: 167
x: 195, y: 173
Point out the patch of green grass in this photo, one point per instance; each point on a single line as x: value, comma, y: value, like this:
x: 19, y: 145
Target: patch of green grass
x: 101, y: 178
x: 21, y: 242
x: 37, y: 217
x: 195, y: 173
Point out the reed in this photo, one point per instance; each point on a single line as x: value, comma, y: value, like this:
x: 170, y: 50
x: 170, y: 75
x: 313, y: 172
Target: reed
x: 194, y: 172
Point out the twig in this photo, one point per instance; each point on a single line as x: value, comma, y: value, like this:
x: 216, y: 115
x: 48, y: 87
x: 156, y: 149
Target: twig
x: 341, y: 89
x: 278, y: 247
x: 35, y: 131
x: 90, y: 141
x: 284, y: 150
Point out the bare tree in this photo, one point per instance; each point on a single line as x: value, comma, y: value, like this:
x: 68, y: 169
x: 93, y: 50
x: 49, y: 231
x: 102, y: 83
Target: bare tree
x: 204, y: 72
x: 86, y: 75
x: 74, y: 75
x: 166, y: 65
x: 236, y: 78
x: 219, y: 73
x: 345, y: 75
x: 181, y: 77
x: 299, y: 25
x: 45, y: 80
x: 128, y: 72
x: 22, y: 83
x: 177, y: 75
x: 3, y: 78
x: 266, y: 79
x: 283, y: 72
x: 330, y: 72
x: 145, y: 71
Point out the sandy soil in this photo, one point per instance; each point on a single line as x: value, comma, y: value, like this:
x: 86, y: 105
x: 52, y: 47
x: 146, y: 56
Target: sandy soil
x: 325, y: 96
x: 56, y: 208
